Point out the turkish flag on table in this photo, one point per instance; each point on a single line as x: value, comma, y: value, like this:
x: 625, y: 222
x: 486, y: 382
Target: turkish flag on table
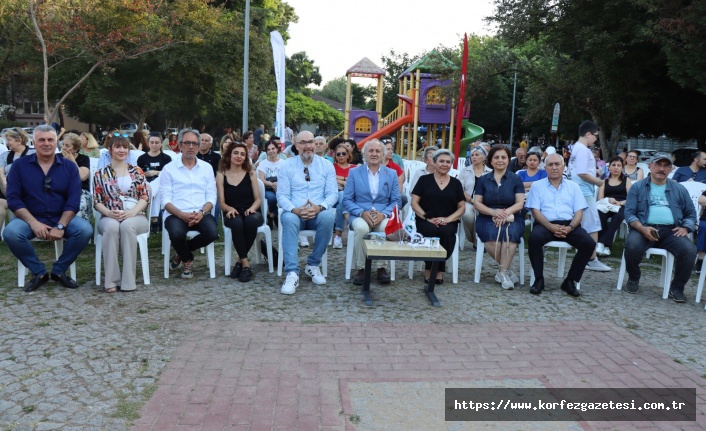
x: 394, y: 224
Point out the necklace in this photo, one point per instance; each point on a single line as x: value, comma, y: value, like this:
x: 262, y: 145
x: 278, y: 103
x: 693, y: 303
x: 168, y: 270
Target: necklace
x: 439, y: 180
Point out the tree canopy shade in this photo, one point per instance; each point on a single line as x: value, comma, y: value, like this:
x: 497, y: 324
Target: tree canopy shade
x: 335, y: 89
x: 300, y: 109
x: 592, y: 55
x: 301, y: 72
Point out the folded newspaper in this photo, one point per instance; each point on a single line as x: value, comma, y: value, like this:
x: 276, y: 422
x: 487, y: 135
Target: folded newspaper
x: 604, y: 206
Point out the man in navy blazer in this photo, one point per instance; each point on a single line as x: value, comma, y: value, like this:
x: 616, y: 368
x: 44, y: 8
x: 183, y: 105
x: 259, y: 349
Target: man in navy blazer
x: 370, y: 195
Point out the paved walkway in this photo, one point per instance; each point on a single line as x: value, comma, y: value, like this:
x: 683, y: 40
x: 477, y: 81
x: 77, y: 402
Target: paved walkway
x: 293, y: 376
x: 85, y: 360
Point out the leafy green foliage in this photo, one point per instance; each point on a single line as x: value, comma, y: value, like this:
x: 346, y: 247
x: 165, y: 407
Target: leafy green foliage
x: 335, y: 89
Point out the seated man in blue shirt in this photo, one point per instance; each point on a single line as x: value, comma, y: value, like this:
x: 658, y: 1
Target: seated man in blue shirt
x: 557, y: 205
x: 694, y: 172
x: 44, y: 192
x: 306, y: 189
x: 661, y: 215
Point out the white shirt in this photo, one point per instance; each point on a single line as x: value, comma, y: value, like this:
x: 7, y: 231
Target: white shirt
x: 187, y: 189
x: 373, y: 181
x: 582, y: 162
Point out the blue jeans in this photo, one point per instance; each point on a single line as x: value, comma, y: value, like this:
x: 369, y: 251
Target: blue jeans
x: 271, y: 198
x: 291, y: 225
x: 681, y: 247
x: 340, y: 212
x: 18, y: 234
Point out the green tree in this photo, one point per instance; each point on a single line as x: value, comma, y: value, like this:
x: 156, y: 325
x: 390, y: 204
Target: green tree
x: 335, y: 89
x: 300, y: 72
x: 394, y: 64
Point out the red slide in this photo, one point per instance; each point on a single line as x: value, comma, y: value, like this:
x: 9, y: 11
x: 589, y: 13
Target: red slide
x: 395, y: 125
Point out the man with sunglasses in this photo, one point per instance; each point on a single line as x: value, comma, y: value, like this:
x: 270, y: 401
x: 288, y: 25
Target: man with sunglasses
x: 44, y: 192
x: 306, y: 190
x: 694, y: 172
x: 188, y: 189
x: 582, y: 169
x: 661, y: 215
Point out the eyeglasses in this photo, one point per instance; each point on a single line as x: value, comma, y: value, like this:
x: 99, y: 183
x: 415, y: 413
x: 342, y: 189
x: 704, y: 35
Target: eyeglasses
x: 386, y: 141
x: 594, y: 134
x: 117, y: 134
x: 342, y: 154
x: 47, y: 184
x: 190, y: 143
x: 306, y: 173
x: 306, y: 142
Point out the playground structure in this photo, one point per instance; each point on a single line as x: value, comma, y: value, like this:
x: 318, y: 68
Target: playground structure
x: 421, y: 102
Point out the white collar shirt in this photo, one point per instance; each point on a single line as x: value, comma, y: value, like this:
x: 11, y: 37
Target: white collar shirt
x: 187, y: 189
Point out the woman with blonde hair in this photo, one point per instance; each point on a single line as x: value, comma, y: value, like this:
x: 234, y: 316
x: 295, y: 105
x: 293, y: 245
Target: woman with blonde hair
x: 17, y: 141
x: 70, y: 151
x: 121, y: 195
x: 89, y: 145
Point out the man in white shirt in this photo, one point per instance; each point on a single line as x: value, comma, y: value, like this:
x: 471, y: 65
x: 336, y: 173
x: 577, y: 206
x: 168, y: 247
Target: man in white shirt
x: 188, y: 189
x: 306, y: 189
x: 582, y: 166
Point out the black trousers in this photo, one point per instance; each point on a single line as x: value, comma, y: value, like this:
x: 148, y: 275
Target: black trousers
x: 243, y: 231
x: 177, y: 229
x: 578, y: 238
x: 446, y: 235
x: 609, y: 228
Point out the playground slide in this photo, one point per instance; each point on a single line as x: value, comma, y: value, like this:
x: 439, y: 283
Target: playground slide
x: 472, y: 133
x: 389, y: 129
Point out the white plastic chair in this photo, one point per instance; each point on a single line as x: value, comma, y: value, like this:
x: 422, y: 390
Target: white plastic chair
x: 665, y: 276
x: 700, y: 287
x: 695, y: 190
x: 58, y: 249
x: 563, y: 247
x: 306, y: 233
x: 141, y: 244
x: 262, y: 230
x: 480, y: 249
x: 167, y: 244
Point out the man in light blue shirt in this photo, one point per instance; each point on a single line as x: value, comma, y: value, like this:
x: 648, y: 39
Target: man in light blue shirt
x: 306, y: 190
x: 661, y: 215
x: 558, y: 205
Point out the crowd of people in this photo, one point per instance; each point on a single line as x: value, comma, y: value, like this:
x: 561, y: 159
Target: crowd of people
x: 185, y: 185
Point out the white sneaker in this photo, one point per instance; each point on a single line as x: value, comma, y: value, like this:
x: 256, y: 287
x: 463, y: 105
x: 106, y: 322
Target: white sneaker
x: 599, y: 248
x: 596, y: 265
x: 602, y: 250
x: 290, y: 283
x: 337, y: 242
x: 504, y: 279
x: 513, y: 276
x: 303, y: 241
x: 315, y: 273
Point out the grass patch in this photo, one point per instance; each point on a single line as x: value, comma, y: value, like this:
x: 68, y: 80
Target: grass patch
x: 42, y: 324
x: 632, y: 326
x: 354, y: 419
x: 678, y: 361
x: 313, y: 321
x: 29, y: 409
x: 152, y: 327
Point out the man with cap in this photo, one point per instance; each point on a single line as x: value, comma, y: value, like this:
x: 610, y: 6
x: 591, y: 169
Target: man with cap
x: 661, y: 215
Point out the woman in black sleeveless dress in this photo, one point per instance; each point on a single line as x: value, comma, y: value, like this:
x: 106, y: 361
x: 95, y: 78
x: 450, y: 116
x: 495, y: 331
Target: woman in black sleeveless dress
x: 615, y: 188
x: 239, y: 199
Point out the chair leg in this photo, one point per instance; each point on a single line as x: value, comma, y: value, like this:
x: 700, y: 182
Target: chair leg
x: 454, y: 262
x: 621, y: 273
x: 142, y: 244
x: 228, y: 251
x: 349, y: 254
x: 522, y: 262
x: 166, y: 244
x: 702, y: 279
x: 480, y: 249
x: 211, y: 256
x: 268, y: 244
x: 98, y: 241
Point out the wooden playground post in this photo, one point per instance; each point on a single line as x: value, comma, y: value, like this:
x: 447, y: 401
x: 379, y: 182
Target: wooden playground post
x: 417, y: 84
x: 378, y: 106
x: 347, y: 106
x: 443, y: 137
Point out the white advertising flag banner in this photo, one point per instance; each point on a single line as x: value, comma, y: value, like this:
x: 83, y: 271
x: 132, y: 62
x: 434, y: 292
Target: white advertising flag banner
x: 279, y: 64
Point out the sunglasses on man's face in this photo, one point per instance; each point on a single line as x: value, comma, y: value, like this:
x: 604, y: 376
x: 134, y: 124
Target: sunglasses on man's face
x: 306, y: 174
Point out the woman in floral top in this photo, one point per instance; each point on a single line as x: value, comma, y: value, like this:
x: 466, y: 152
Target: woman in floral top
x: 120, y: 195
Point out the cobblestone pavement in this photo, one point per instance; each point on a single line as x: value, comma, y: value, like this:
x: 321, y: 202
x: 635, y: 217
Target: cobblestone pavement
x: 86, y: 360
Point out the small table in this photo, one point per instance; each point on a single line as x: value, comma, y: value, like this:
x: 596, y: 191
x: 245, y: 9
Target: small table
x: 391, y: 250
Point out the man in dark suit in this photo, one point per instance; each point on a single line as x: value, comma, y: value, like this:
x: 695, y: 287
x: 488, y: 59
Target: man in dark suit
x: 370, y: 195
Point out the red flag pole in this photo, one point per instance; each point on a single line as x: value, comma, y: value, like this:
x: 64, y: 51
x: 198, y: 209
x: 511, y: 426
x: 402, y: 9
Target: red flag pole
x: 461, y: 98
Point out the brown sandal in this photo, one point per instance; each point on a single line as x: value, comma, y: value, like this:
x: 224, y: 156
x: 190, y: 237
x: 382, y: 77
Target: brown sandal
x: 111, y: 290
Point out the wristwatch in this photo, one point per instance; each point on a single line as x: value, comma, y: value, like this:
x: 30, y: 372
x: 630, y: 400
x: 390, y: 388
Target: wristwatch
x: 203, y: 213
x: 322, y: 208
x: 60, y: 226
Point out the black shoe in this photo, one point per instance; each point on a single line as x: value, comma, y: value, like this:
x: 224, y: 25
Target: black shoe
x: 359, y: 277
x: 245, y: 275
x: 569, y: 286
x: 697, y: 267
x: 65, y: 280
x: 383, y: 276
x: 538, y: 286
x: 236, y: 271
x: 633, y: 286
x: 677, y: 296
x: 36, y: 281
